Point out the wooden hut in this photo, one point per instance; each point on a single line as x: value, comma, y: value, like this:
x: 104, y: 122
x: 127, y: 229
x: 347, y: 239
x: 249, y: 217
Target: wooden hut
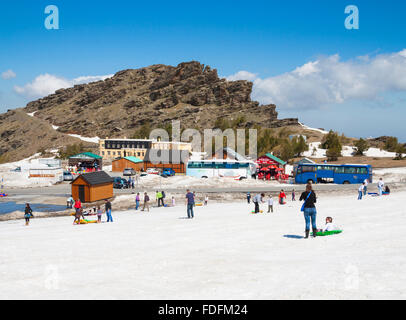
x: 120, y: 164
x: 91, y: 187
x: 161, y: 159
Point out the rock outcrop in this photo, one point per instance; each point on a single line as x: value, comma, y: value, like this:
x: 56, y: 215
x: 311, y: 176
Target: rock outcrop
x: 116, y: 107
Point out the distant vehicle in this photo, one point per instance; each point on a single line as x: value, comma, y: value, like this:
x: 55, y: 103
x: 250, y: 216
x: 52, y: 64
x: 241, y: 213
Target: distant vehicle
x: 169, y: 172
x: 163, y: 175
x: 18, y: 169
x: 238, y: 170
x: 339, y: 174
x: 152, y: 171
x: 120, y: 183
x: 67, y: 176
x: 129, y: 172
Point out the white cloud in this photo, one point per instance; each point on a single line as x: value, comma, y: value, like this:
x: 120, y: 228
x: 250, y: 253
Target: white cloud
x: 329, y: 80
x: 46, y: 84
x: 242, y: 75
x: 9, y: 74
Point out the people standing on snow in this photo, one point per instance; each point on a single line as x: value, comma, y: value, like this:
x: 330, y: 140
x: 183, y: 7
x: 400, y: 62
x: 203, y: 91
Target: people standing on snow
x: 249, y: 197
x: 28, y: 214
x: 190, y: 202
x: 163, y: 196
x: 381, y: 184
x: 70, y: 202
x: 282, y: 197
x: 309, y: 210
x: 270, y: 204
x: 257, y: 200
x: 137, y: 201
x: 173, y: 201
x: 107, y: 207
x: 206, y: 200
x: 99, y: 214
x: 366, y: 182
x: 293, y: 195
x: 146, y: 202
x: 361, y: 191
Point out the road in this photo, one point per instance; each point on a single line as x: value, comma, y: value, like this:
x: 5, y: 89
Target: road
x: 63, y: 190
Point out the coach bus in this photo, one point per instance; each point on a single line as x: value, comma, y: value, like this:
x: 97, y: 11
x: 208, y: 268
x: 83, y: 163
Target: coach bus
x: 221, y: 168
x: 339, y: 174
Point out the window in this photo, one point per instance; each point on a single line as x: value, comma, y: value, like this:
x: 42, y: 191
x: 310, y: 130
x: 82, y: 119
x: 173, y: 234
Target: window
x: 308, y: 169
x: 350, y: 170
x: 102, y: 153
x: 339, y: 169
x: 193, y: 165
x: 362, y: 170
x: 108, y: 152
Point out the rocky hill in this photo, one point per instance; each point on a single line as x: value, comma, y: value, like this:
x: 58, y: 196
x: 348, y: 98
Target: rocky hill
x: 116, y: 107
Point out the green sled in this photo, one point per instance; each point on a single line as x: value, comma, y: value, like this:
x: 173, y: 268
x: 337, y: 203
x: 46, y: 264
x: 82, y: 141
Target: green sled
x: 328, y: 233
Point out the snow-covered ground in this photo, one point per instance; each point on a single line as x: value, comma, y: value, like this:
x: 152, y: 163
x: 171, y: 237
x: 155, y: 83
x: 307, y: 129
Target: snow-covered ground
x: 313, y: 129
x: 347, y: 151
x: 92, y: 140
x: 21, y: 179
x: 224, y: 253
x: 390, y: 174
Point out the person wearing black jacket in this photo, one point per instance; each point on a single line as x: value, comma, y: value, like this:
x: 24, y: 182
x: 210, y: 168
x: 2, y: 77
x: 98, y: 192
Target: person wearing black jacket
x: 28, y: 214
x: 107, y: 207
x: 310, y: 211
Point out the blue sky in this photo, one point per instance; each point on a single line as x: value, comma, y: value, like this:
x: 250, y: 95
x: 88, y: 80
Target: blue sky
x: 266, y: 39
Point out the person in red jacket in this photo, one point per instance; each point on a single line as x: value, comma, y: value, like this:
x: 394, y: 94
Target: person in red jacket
x: 282, y: 197
x: 79, y: 210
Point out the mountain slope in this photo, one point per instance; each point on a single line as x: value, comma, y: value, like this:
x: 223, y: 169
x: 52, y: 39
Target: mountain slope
x: 116, y: 107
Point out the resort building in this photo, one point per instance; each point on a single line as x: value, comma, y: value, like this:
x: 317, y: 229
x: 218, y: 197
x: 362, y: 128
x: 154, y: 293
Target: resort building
x: 111, y: 149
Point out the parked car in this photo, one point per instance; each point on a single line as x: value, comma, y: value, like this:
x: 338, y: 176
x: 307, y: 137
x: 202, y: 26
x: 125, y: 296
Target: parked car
x: 152, y: 171
x: 67, y: 176
x: 18, y: 169
x: 128, y: 172
x: 120, y: 183
x: 169, y: 172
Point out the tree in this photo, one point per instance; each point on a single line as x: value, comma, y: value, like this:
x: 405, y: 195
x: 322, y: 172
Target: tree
x: 299, y: 145
x: 143, y: 132
x: 332, y: 143
x: 361, y: 146
x: 284, y: 150
x: 71, y: 150
x: 391, y: 144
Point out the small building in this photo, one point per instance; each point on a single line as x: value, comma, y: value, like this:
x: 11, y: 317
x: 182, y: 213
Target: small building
x: 161, y: 159
x: 91, y: 187
x: 86, y: 160
x: 120, y: 164
x: 269, y: 159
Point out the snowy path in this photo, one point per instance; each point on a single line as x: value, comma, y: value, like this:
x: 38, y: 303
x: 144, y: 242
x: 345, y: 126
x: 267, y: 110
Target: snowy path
x: 224, y: 253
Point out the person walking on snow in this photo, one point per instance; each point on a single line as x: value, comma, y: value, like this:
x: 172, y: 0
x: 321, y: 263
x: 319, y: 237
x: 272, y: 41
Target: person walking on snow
x: 146, y: 202
x: 361, y: 191
x: 293, y: 195
x: 190, y: 202
x: 28, y: 214
x: 270, y: 204
x: 381, y: 184
x: 249, y: 197
x: 257, y: 200
x: 107, y: 207
x: 366, y: 182
x: 309, y: 210
x: 137, y: 201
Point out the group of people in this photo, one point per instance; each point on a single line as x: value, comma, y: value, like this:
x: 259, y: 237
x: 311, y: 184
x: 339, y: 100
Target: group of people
x: 80, y: 213
x: 382, y: 189
x: 308, y: 208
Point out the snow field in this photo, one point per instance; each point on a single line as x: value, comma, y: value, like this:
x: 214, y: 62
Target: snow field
x: 224, y: 253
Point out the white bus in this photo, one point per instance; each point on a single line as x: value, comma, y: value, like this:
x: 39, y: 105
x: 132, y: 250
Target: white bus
x: 221, y: 168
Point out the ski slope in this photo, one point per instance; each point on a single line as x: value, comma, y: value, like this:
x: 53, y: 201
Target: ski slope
x: 224, y: 253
